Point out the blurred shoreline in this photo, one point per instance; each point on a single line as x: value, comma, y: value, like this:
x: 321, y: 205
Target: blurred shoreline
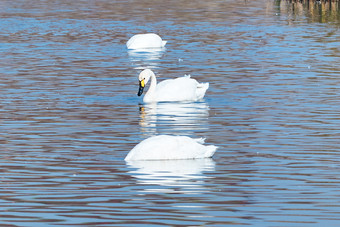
x: 312, y: 10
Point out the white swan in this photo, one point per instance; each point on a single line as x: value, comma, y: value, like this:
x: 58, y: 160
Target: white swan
x: 164, y: 147
x: 149, y: 40
x: 179, y: 89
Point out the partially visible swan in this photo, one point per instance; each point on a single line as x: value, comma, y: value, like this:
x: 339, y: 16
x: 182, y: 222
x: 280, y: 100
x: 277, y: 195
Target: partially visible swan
x: 148, y: 40
x: 179, y: 89
x: 165, y: 147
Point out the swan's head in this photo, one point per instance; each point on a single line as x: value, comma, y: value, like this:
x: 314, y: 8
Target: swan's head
x: 144, y: 77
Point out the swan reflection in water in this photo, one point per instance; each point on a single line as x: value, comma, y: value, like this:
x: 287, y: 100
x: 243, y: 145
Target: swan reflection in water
x: 173, y: 117
x: 182, y: 176
x: 146, y: 58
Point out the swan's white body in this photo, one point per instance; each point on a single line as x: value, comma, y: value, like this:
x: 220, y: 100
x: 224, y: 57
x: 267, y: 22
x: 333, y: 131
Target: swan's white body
x: 179, y: 89
x: 165, y: 147
x: 144, y: 41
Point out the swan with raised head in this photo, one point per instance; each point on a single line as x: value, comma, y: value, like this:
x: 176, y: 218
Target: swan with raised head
x: 179, y: 89
x: 144, y: 41
x: 165, y: 147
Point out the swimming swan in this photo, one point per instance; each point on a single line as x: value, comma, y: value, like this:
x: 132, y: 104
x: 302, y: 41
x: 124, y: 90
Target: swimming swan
x: 179, y: 89
x: 165, y: 147
x: 149, y: 40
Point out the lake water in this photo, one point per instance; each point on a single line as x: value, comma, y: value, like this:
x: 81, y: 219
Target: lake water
x: 69, y: 113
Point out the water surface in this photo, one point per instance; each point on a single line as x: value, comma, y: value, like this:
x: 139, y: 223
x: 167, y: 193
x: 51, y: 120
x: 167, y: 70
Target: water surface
x: 69, y: 113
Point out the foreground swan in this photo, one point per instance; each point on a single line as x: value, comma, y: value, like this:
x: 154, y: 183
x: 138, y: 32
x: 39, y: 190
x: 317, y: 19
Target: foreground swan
x: 149, y: 40
x: 164, y: 147
x: 179, y: 89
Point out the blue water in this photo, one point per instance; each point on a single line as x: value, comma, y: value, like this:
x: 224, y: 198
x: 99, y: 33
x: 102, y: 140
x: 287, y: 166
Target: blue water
x: 69, y: 114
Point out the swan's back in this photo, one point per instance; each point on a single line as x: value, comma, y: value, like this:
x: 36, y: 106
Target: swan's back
x: 164, y: 147
x: 149, y: 40
x: 180, y: 89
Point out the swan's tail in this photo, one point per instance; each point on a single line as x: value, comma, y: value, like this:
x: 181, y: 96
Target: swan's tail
x: 200, y: 140
x: 201, y: 89
x: 210, y: 151
x: 163, y: 43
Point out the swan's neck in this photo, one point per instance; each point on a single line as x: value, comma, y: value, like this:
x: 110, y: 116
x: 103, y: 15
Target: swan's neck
x: 150, y: 94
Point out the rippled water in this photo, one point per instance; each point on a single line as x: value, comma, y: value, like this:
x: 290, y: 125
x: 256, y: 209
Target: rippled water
x: 69, y: 113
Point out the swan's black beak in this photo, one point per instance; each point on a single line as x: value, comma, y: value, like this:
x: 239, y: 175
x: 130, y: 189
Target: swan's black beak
x: 141, y: 87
